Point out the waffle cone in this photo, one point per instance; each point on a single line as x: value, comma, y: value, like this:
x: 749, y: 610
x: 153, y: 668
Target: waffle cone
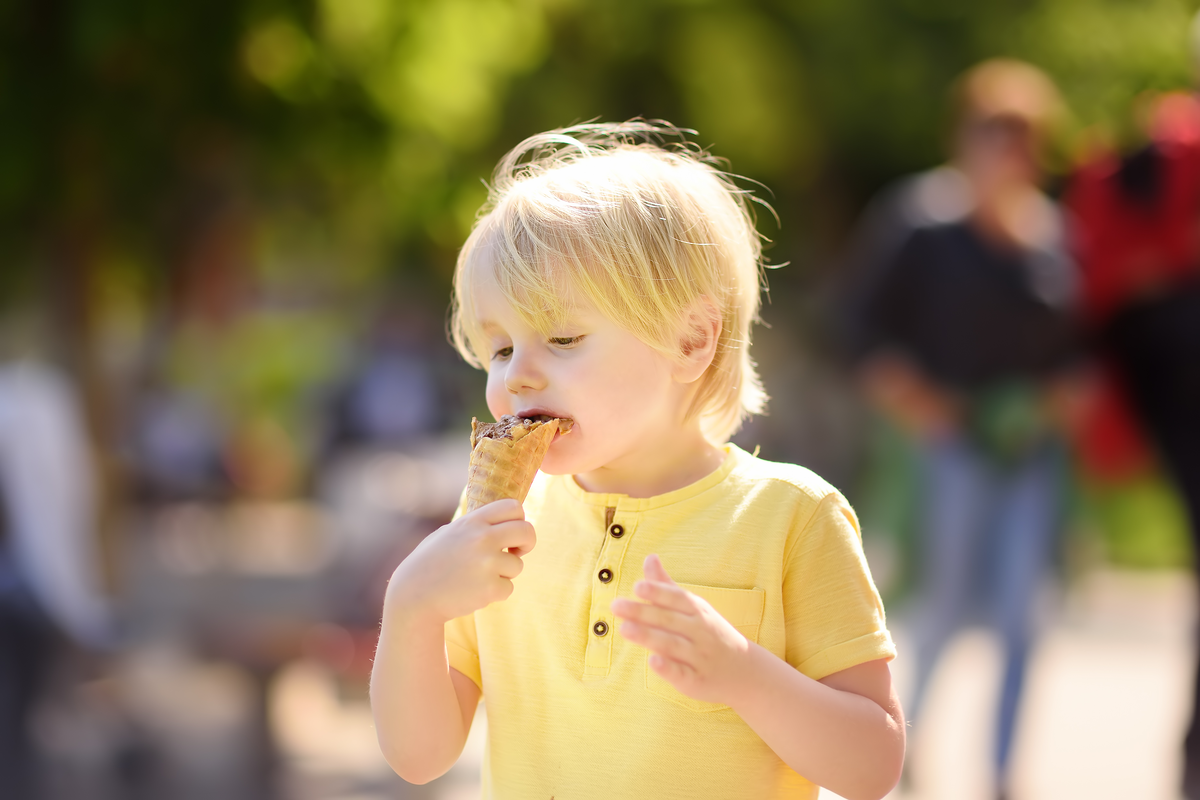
x: 503, y: 468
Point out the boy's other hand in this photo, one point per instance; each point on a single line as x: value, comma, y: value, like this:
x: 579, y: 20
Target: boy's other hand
x: 692, y: 646
x: 464, y: 565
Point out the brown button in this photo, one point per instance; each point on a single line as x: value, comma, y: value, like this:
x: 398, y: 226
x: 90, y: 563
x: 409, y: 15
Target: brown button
x: 605, y: 575
x: 600, y: 628
x: 616, y: 531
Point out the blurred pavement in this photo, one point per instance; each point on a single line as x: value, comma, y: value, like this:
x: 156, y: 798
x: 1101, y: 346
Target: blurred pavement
x: 1104, y: 709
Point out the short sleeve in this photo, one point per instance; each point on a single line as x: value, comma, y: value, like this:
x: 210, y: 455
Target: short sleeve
x: 835, y: 619
x: 462, y: 648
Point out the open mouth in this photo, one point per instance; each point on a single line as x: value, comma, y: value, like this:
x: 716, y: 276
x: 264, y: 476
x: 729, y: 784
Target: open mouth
x: 565, y: 424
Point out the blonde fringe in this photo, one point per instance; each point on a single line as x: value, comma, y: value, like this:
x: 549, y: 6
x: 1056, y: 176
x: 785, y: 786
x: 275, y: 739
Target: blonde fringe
x: 642, y: 229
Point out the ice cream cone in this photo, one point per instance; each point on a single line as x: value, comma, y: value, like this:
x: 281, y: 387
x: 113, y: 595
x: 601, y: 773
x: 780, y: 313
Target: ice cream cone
x: 505, y: 462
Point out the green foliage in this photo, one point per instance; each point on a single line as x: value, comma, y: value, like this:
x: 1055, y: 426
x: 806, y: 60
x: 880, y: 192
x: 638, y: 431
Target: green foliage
x: 888, y: 500
x: 1107, y: 52
x: 385, y: 116
x: 340, y: 146
x: 260, y: 368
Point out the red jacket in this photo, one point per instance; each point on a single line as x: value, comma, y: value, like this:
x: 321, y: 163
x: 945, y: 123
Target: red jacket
x: 1136, y: 235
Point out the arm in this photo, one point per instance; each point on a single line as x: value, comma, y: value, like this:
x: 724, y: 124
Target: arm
x: 845, y: 732
x: 1071, y: 398
x: 422, y: 707
x: 906, y: 397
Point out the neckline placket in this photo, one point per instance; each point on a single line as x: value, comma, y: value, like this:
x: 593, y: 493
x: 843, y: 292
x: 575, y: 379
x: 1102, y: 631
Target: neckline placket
x: 607, y: 575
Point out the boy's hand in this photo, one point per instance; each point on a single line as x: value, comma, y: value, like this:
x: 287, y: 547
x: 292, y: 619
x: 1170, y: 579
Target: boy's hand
x: 692, y: 646
x: 465, y: 565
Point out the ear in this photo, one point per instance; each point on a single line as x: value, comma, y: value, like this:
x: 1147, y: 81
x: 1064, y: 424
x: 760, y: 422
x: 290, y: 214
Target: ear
x: 698, y: 339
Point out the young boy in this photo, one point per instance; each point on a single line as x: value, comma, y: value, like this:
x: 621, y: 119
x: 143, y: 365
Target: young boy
x: 693, y: 621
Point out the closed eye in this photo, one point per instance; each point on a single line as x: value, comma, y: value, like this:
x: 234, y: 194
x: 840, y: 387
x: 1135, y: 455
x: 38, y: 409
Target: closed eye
x: 566, y: 341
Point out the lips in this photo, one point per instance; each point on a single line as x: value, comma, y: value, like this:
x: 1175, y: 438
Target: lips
x: 565, y: 424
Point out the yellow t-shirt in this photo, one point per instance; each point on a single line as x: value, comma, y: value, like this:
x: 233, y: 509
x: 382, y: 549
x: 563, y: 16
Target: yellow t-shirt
x: 575, y: 711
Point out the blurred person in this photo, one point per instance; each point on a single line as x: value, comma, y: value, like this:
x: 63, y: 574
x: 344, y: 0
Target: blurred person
x: 49, y: 564
x: 176, y: 442
x: 1139, y: 247
x: 396, y: 392
x: 961, y: 323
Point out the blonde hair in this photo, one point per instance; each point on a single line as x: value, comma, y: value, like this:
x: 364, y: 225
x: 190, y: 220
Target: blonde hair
x: 642, y: 231
x: 1005, y: 88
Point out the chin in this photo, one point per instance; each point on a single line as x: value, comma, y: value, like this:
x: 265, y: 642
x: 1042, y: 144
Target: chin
x: 558, y: 462
x: 556, y: 466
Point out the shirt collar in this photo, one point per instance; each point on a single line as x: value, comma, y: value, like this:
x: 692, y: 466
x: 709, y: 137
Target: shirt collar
x: 624, y: 502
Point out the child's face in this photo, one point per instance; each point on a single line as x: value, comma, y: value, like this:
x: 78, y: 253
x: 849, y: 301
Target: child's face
x: 622, y: 394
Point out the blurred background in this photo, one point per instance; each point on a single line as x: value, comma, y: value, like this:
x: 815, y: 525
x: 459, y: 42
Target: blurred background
x: 228, y: 407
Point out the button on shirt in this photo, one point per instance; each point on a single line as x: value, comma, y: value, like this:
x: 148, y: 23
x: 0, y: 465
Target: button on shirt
x: 576, y: 713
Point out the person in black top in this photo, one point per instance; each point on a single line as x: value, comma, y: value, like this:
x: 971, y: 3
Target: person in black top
x: 960, y: 320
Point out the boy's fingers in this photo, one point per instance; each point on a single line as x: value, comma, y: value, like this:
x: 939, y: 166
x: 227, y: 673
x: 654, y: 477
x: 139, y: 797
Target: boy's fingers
x: 667, y: 595
x: 654, y: 616
x: 517, y: 536
x: 510, y: 565
x: 503, y: 589
x: 673, y: 671
x: 500, y: 511
x: 657, y: 640
x: 654, y: 569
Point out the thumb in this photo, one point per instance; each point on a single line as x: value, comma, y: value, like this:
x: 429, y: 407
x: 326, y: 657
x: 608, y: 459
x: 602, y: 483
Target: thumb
x: 654, y: 570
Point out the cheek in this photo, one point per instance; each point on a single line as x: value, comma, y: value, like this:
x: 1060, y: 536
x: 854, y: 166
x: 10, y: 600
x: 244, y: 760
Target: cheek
x: 499, y: 401
x: 624, y: 391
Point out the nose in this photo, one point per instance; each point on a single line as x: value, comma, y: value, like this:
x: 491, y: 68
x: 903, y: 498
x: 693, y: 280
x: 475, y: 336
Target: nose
x: 523, y: 373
